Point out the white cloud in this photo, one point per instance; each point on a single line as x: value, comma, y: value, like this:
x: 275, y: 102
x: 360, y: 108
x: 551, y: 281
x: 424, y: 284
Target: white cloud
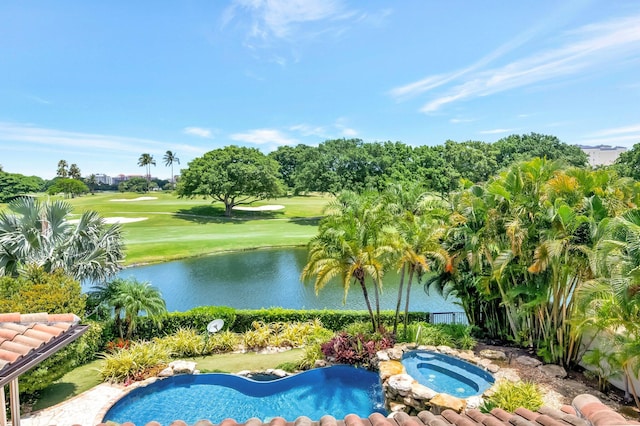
x: 585, y: 49
x: 278, y: 18
x: 62, y: 139
x: 263, y: 137
x: 308, y: 130
x: 461, y: 120
x: 634, y: 128
x: 495, y: 131
x: 197, y: 131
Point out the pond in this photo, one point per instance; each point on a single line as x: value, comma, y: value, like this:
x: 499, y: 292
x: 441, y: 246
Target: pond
x: 262, y: 279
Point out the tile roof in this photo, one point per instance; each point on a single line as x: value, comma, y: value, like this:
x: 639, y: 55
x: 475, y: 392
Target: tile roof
x: 26, y: 339
x: 586, y: 410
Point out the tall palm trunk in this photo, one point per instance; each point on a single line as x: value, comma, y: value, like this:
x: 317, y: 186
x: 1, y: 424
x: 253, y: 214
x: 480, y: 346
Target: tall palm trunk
x: 412, y: 269
x: 399, y: 301
x: 365, y: 293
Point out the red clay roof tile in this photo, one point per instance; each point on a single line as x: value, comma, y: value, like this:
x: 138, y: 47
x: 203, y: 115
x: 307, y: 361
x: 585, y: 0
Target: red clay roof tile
x: 28, y: 341
x: 328, y: 421
x: 9, y: 356
x: 11, y: 317
x: 15, y: 347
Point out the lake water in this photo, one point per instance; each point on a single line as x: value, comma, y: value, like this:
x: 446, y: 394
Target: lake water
x: 263, y: 279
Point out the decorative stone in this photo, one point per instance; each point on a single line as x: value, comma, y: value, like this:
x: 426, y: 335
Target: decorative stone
x: 528, y: 361
x: 390, y: 368
x: 423, y: 392
x: 493, y: 368
x: 552, y: 370
x: 279, y: 373
x: 473, y: 402
x: 447, y: 350
x: 443, y: 401
x: 507, y: 374
x: 395, y: 353
x: 484, y: 362
x: 320, y: 363
x: 382, y: 355
x: 167, y: 372
x: 491, y: 354
x: 182, y: 367
x: 244, y: 373
x: 396, y: 407
x: 429, y: 348
x: 401, y: 383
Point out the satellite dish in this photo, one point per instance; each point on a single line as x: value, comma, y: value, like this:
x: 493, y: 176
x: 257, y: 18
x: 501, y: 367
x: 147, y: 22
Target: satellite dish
x: 215, y: 326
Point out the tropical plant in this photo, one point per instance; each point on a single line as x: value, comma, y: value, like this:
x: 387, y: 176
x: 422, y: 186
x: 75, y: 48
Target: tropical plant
x: 512, y: 395
x: 74, y: 171
x: 135, y: 362
x: 169, y: 159
x: 62, y: 170
x: 133, y: 297
x: 146, y: 160
x: 351, y: 244
x: 38, y: 233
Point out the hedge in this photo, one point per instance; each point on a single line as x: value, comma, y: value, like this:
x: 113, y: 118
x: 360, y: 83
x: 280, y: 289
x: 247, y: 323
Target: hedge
x: 240, y: 320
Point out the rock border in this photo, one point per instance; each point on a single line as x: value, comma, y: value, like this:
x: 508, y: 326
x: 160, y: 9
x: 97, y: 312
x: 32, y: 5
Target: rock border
x: 402, y: 393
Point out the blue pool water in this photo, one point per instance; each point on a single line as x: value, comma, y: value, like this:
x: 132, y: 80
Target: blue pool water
x: 446, y: 374
x: 337, y: 390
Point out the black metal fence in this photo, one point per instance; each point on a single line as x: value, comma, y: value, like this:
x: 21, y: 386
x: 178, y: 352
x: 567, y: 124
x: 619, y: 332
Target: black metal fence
x: 448, y: 318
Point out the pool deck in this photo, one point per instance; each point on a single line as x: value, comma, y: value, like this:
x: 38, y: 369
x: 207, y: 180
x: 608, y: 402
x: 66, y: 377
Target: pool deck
x: 79, y: 410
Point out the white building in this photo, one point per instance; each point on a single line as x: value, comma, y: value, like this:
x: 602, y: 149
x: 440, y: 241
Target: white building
x: 602, y: 155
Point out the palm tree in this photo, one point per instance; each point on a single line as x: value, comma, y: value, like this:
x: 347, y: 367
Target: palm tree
x: 146, y: 160
x: 38, y: 233
x: 62, y: 169
x: 170, y: 158
x: 350, y: 245
x: 92, y: 182
x: 133, y: 297
x: 74, y: 171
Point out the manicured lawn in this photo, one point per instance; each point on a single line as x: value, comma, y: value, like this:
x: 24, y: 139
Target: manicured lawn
x: 177, y: 228
x: 85, y: 377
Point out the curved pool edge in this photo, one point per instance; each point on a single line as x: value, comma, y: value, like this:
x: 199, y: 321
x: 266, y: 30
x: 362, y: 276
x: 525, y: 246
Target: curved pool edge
x: 292, y: 380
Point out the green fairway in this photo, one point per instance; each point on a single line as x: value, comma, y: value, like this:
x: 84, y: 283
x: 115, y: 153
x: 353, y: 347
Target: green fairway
x: 85, y: 377
x: 176, y: 228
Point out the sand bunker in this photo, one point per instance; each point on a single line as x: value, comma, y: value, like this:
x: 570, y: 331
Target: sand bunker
x: 136, y: 199
x: 267, y: 208
x: 116, y: 219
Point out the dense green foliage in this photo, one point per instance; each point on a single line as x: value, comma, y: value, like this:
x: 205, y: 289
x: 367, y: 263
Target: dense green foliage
x: 38, y: 233
x: 351, y: 164
x: 13, y: 185
x: 232, y: 175
x: 136, y: 184
x: 628, y: 163
x: 67, y: 186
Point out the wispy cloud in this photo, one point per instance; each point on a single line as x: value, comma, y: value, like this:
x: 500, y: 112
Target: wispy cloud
x: 72, y: 141
x: 197, y: 131
x: 585, y: 49
x: 309, y: 130
x: 279, y: 18
x: 39, y: 100
x: 264, y: 137
x: 461, y: 120
x: 495, y: 131
x: 625, y: 135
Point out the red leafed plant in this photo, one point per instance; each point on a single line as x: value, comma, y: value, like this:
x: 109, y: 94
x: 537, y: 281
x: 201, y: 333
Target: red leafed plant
x: 355, y: 349
x: 119, y: 343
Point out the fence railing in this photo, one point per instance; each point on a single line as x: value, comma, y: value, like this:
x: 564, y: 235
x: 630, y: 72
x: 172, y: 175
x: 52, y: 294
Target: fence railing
x: 448, y: 318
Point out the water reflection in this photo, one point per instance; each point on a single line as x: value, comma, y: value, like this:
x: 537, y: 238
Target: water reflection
x: 262, y: 279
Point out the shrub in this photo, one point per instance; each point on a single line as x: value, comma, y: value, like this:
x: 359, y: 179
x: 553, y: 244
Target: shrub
x: 454, y: 335
x: 135, y: 362
x: 509, y: 396
x: 355, y: 349
x: 310, y: 354
x: 185, y: 342
x: 223, y: 341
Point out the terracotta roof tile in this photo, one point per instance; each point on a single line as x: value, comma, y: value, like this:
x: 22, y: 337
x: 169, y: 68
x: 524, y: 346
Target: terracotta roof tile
x: 8, y: 334
x: 9, y: 356
x: 12, y: 317
x: 181, y: 423
x: 16, y: 347
x: 500, y: 414
x: 328, y: 421
x: 28, y: 341
x: 378, y: 419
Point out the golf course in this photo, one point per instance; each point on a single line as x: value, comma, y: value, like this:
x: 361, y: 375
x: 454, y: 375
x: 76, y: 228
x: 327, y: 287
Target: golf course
x: 160, y: 226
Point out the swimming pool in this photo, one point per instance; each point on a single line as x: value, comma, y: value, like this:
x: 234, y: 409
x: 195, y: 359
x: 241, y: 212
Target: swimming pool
x: 337, y: 390
x: 446, y: 374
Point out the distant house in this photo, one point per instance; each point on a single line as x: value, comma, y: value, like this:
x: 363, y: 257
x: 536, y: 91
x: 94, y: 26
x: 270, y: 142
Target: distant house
x: 602, y: 155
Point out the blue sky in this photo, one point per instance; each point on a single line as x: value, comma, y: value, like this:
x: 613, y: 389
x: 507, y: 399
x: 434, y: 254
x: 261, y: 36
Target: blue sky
x: 99, y: 83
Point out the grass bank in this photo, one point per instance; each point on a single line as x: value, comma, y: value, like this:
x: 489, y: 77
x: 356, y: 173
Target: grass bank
x: 85, y: 377
x: 177, y: 228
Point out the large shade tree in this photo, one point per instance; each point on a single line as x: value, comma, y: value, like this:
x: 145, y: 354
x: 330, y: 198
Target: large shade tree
x: 232, y: 175
x: 38, y: 233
